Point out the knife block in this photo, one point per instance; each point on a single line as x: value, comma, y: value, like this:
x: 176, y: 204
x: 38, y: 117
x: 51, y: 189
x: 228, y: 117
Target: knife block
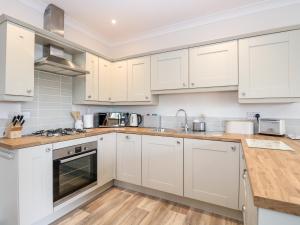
x: 13, y: 131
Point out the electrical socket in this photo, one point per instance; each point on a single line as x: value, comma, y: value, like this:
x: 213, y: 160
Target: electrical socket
x: 251, y: 115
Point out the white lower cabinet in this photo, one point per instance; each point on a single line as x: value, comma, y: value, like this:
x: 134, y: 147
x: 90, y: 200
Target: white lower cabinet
x: 162, y: 163
x: 35, y: 184
x: 211, y: 172
x: 129, y: 156
x: 106, y: 158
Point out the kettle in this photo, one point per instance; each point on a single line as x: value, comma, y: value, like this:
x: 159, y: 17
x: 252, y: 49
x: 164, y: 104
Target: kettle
x: 135, y: 119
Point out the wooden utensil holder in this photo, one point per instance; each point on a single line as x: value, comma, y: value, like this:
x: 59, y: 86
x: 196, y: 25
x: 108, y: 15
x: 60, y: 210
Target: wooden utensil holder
x: 13, y: 131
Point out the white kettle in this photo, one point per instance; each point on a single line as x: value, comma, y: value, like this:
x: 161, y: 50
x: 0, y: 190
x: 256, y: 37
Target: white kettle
x: 135, y: 119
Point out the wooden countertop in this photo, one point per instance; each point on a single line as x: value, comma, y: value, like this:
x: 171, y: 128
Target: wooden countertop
x: 274, y: 175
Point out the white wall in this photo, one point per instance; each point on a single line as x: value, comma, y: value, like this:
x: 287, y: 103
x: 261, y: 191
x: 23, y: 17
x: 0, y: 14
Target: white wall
x: 218, y: 104
x: 215, y: 28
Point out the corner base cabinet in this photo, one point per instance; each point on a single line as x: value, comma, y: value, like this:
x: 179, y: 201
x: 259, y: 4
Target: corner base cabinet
x: 106, y: 158
x: 211, y: 172
x: 162, y: 164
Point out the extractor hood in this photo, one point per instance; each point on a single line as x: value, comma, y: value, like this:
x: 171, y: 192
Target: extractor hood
x: 53, y: 59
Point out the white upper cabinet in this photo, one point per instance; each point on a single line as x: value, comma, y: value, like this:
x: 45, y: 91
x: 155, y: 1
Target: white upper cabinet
x: 139, y: 79
x: 105, y: 80
x: 16, y: 60
x: 106, y: 158
x: 269, y: 67
x: 211, y: 172
x: 91, y: 79
x: 129, y: 157
x: 214, y: 65
x: 35, y: 183
x: 119, y: 81
x: 170, y: 70
x: 162, y: 164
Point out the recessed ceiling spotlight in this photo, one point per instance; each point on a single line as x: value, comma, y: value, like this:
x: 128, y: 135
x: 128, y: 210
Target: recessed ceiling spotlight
x: 113, y: 22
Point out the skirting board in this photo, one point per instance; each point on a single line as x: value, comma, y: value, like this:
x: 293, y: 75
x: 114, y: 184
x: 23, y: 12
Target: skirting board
x: 230, y: 213
x: 89, y: 196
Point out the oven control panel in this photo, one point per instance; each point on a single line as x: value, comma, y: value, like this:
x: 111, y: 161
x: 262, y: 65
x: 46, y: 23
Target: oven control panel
x: 74, y: 150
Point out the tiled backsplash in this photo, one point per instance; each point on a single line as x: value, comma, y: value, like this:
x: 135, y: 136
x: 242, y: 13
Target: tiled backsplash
x: 52, y: 103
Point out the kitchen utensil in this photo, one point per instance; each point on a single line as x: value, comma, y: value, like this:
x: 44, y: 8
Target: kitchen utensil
x: 78, y: 124
x: 271, y: 127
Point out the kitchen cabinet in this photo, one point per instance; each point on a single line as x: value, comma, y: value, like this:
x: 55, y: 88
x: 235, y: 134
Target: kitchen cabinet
x: 106, y: 158
x: 119, y: 81
x: 129, y: 156
x: 162, y: 164
x: 35, y: 183
x: 105, y: 80
x: 211, y: 172
x: 91, y: 79
x: 268, y: 66
x: 16, y: 62
x: 170, y: 70
x: 139, y: 79
x: 214, y: 65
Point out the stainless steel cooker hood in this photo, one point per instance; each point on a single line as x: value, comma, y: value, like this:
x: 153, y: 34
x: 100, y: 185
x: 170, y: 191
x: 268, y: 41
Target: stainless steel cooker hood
x: 53, y: 59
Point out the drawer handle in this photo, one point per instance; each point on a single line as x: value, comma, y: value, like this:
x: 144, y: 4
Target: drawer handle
x: 178, y: 142
x: 192, y: 84
x: 245, y: 174
x: 89, y: 96
x: 243, y: 208
x: 233, y: 148
x: 109, y: 98
x: 28, y: 91
x: 21, y: 36
x: 101, y: 139
x: 146, y: 97
x: 48, y: 149
x: 243, y: 94
x: 127, y: 137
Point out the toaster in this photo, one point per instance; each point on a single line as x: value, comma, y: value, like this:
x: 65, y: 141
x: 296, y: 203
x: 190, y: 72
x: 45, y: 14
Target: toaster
x: 271, y: 127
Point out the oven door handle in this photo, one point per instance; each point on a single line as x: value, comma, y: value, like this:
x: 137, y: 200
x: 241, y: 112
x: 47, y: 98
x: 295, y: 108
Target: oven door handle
x: 77, y: 157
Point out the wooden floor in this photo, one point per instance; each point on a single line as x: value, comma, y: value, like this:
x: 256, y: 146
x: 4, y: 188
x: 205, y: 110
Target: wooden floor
x: 122, y: 207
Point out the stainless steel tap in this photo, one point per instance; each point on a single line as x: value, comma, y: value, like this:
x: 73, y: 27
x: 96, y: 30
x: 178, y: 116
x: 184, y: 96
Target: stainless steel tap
x: 186, y: 126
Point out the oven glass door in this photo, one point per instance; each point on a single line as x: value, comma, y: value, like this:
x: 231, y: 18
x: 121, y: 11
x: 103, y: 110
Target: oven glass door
x: 71, y: 174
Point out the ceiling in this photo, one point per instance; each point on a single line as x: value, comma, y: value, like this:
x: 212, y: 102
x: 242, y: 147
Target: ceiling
x: 137, y: 18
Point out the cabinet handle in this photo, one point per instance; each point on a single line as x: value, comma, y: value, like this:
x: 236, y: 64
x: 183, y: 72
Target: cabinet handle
x: 89, y: 96
x: 28, y: 91
x: 109, y: 98
x: 127, y: 137
x: 146, y: 97
x: 101, y: 139
x: 21, y: 36
x: 243, y: 208
x: 48, y: 149
x: 178, y: 142
x: 233, y: 148
x: 243, y: 94
x: 245, y: 174
x: 192, y: 84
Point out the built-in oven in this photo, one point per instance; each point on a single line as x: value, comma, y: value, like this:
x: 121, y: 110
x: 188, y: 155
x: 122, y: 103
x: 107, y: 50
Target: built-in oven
x: 74, y: 170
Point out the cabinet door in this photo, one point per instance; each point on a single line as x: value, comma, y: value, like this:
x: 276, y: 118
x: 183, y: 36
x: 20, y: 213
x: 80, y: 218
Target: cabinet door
x: 249, y: 210
x: 105, y: 80
x: 139, y: 79
x: 170, y: 70
x: 129, y: 155
x: 211, y: 172
x: 35, y: 183
x: 19, y: 74
x: 214, y: 65
x: 106, y: 158
x: 162, y: 164
x: 91, y: 78
x: 268, y: 66
x: 119, y: 82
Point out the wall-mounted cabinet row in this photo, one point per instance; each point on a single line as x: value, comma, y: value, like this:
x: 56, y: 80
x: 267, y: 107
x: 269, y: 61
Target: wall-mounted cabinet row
x: 263, y: 69
x: 123, y: 81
